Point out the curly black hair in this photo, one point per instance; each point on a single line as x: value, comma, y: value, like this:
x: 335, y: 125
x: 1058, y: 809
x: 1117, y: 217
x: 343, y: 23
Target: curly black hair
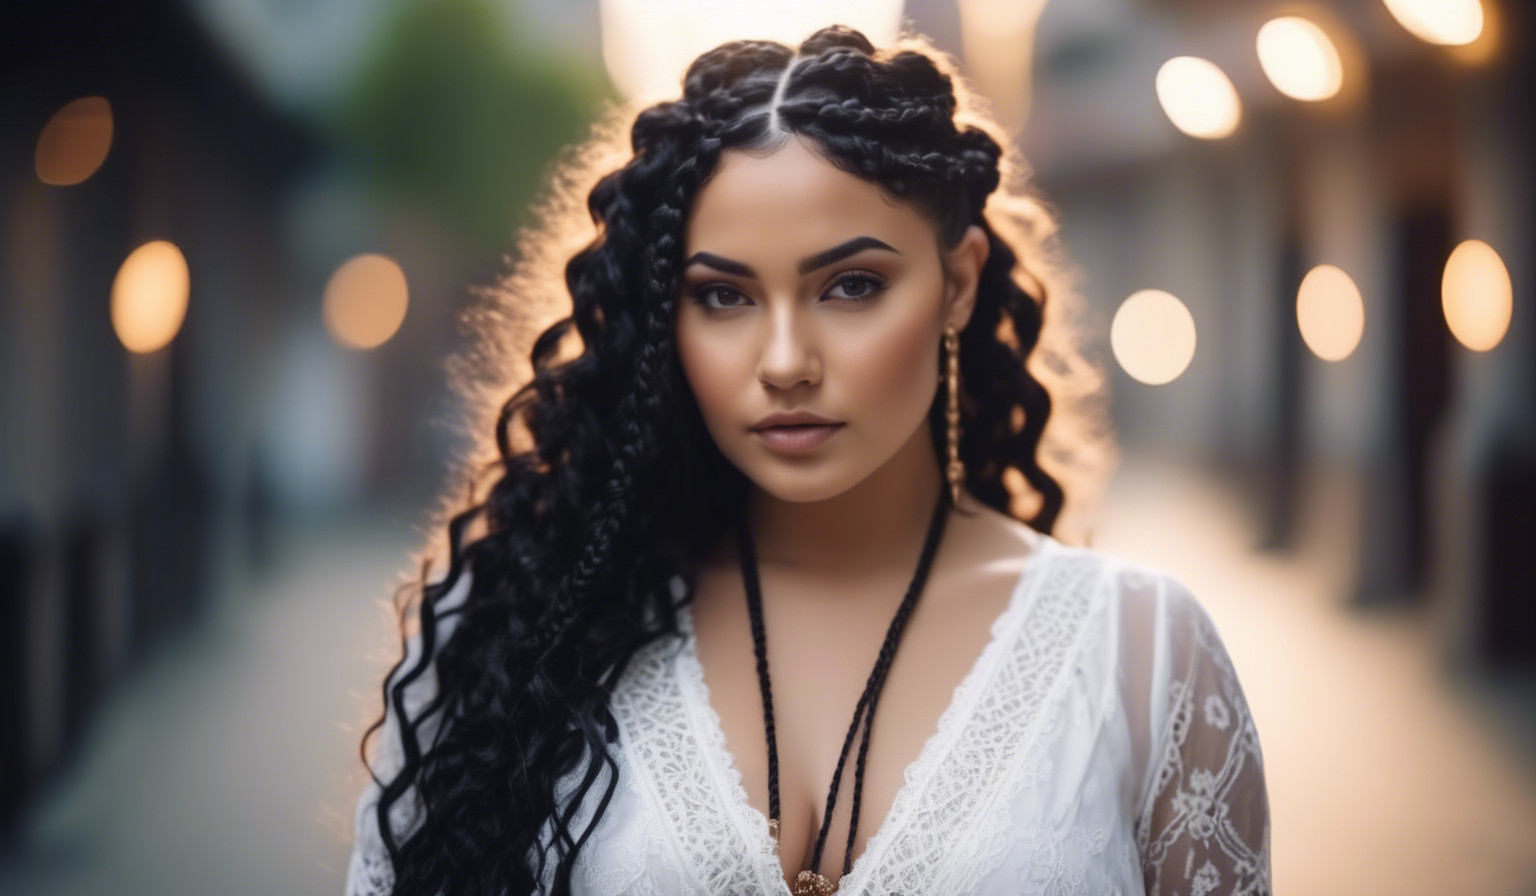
x: 604, y: 486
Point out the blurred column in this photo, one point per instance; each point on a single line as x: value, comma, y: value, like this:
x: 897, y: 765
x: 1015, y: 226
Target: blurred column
x: 1413, y: 122
x: 1281, y: 455
x: 86, y: 517
x: 1424, y: 242
x: 1282, y: 472
x: 167, y: 520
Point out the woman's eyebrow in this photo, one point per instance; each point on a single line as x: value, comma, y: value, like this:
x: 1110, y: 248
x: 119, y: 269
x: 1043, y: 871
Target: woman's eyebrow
x: 839, y: 252
x: 806, y: 265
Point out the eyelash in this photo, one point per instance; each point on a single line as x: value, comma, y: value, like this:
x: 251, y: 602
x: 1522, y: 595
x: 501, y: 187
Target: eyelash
x: 875, y: 280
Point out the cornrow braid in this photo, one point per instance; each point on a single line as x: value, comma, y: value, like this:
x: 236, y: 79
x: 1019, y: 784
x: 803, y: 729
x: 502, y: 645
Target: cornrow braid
x: 728, y: 65
x: 919, y: 116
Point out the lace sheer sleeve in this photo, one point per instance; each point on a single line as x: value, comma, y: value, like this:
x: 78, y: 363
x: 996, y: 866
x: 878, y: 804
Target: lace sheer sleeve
x: 368, y: 869
x: 1203, y: 824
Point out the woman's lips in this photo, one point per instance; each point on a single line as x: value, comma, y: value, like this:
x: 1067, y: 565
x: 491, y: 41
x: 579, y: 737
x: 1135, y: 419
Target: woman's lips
x: 797, y: 439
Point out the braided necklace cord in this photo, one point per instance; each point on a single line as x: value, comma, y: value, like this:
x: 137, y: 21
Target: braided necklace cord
x: 869, y: 699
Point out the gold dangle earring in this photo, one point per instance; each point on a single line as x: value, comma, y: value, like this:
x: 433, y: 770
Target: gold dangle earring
x: 954, y: 470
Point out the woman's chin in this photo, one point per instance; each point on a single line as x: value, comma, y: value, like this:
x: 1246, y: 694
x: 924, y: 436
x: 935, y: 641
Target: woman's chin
x: 802, y: 489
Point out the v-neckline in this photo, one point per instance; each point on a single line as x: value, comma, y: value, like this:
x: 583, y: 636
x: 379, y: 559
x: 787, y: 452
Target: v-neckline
x: 710, y: 734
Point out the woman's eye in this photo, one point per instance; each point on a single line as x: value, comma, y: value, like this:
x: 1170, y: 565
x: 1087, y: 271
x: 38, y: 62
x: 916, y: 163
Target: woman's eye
x: 702, y: 295
x: 858, y: 287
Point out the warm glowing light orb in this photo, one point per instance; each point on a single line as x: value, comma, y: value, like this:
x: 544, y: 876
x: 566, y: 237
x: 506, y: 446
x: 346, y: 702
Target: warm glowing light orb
x: 365, y: 301
x: 149, y: 297
x: 74, y: 142
x: 1299, y: 59
x: 1153, y: 336
x: 1449, y: 22
x: 1477, y: 295
x: 1330, y: 312
x: 648, y: 44
x: 1198, y: 97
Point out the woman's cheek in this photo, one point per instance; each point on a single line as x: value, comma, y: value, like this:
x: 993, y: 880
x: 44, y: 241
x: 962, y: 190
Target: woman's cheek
x: 710, y: 372
x: 893, y: 373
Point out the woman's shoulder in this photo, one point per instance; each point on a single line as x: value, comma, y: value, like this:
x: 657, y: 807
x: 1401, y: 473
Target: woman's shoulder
x: 1147, y: 612
x: 1132, y: 583
x: 1161, y: 629
x: 1137, y: 587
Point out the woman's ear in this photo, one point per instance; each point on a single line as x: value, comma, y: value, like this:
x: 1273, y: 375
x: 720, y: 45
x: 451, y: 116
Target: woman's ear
x: 966, y: 260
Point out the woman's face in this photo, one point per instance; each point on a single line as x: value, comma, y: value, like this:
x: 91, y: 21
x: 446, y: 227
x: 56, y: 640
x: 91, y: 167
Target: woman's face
x: 805, y: 289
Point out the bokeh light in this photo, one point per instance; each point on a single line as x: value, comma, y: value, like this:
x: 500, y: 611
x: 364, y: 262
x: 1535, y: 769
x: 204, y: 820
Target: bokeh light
x: 149, y: 297
x: 1198, y: 97
x: 1300, y: 59
x: 1330, y: 312
x: 1450, y: 22
x: 647, y: 44
x: 74, y: 142
x: 365, y: 301
x: 1477, y: 295
x: 1153, y: 336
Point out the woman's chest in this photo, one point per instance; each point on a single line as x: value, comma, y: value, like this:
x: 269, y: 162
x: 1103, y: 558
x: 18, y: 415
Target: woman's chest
x: 1022, y: 787
x: 820, y: 661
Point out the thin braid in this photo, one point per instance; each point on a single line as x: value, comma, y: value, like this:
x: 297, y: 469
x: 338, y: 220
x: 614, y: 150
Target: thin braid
x: 928, y: 114
x: 876, y: 683
x: 759, y: 643
x: 638, y: 412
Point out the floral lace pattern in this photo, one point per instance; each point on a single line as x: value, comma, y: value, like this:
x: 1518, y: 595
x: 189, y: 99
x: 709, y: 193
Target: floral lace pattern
x: 1204, y: 824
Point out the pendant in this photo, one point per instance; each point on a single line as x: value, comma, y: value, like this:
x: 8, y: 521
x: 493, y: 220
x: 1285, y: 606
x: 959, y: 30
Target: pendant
x: 807, y: 883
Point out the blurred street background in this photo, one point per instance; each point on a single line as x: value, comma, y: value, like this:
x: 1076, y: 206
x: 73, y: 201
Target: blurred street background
x: 235, y: 234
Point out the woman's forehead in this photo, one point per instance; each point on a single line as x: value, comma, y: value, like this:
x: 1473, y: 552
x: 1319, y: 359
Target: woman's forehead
x: 776, y: 207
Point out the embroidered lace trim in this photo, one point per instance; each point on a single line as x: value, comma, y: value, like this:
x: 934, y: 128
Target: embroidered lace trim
x: 993, y: 753
x: 1203, y: 825
x: 654, y: 724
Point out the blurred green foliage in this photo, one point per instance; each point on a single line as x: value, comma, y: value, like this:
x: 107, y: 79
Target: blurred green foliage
x: 450, y: 112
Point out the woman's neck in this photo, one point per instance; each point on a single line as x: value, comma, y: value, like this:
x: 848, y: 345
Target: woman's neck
x: 860, y: 532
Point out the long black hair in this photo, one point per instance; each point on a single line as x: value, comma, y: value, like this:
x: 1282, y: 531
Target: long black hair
x: 595, y: 485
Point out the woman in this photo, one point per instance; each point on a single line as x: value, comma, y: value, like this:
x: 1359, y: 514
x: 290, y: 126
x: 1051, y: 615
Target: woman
x: 798, y: 470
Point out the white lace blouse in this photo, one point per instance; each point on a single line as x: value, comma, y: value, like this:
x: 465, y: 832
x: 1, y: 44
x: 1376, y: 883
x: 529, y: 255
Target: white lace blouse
x: 1100, y: 744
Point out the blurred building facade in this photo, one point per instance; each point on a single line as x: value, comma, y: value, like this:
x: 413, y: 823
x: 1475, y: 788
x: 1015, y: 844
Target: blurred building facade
x: 119, y: 473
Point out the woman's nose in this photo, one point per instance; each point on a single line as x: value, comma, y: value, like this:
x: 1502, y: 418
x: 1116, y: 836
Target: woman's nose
x: 789, y: 356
